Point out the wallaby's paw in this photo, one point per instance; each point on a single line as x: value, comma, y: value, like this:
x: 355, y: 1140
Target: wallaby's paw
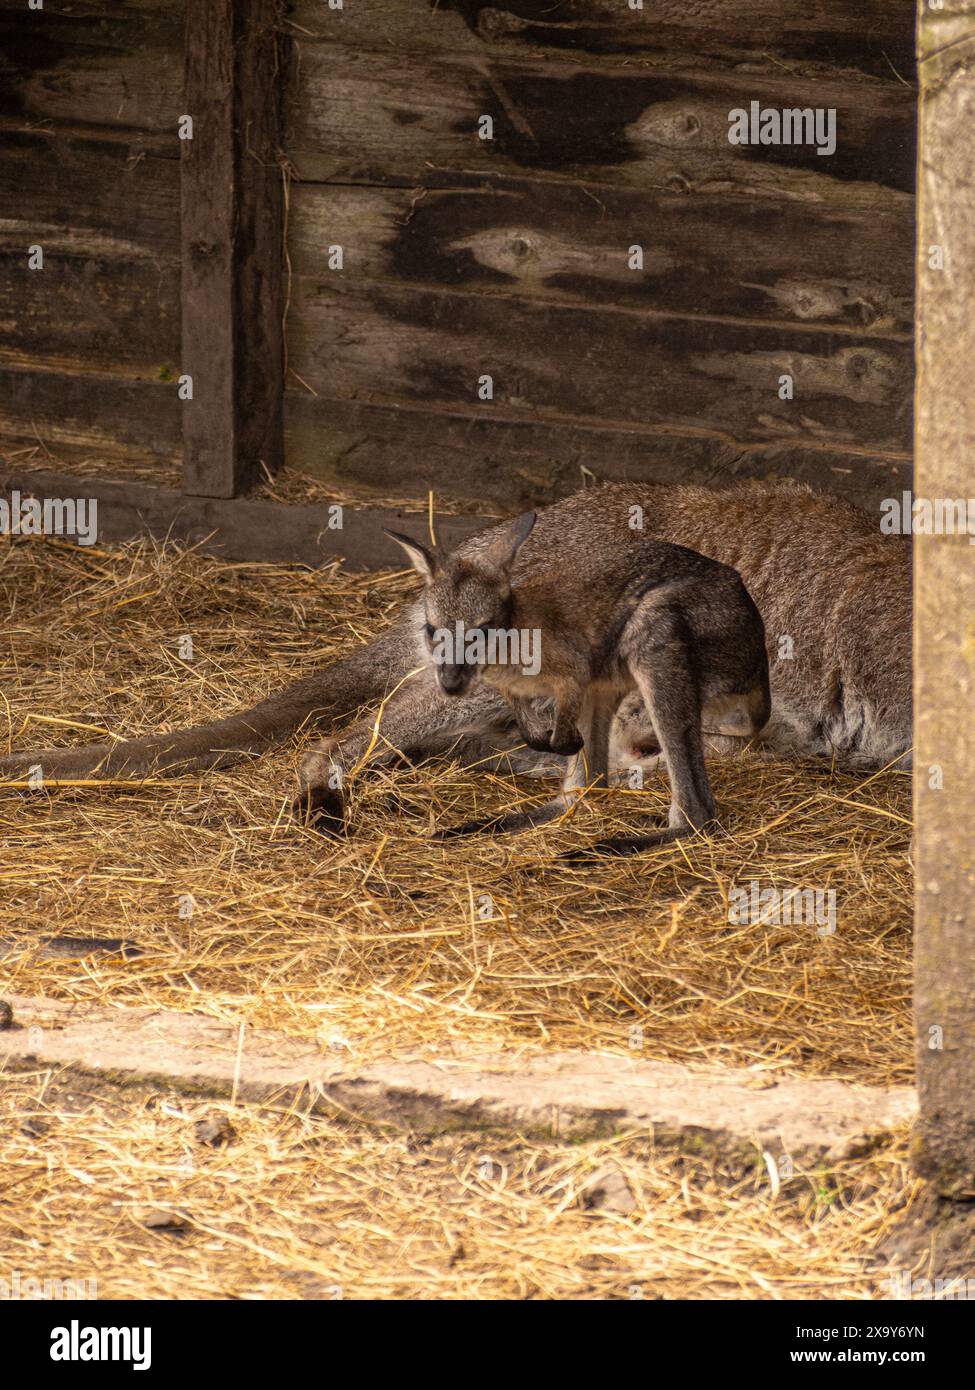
x: 514, y: 823
x: 321, y: 809
x: 621, y: 845
x: 469, y: 827
x: 567, y: 744
x: 564, y: 744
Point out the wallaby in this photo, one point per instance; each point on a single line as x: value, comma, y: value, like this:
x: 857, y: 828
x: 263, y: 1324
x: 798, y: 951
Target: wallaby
x: 834, y: 593
x: 593, y: 622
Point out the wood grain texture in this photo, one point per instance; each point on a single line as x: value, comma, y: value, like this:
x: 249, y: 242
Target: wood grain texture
x: 516, y: 463
x: 239, y: 529
x: 716, y: 255
x: 89, y: 346
x: 82, y: 183
x: 96, y: 300
x: 944, y: 785
x: 829, y: 35
x: 108, y: 225
x: 391, y: 345
x: 232, y: 228
x: 76, y: 66
x: 63, y: 400
x: 369, y: 119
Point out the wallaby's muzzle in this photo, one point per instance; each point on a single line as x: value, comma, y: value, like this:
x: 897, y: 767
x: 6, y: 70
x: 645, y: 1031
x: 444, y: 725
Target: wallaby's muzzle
x: 454, y: 679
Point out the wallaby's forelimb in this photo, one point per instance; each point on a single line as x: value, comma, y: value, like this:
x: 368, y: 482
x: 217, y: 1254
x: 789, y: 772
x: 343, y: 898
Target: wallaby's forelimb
x: 660, y: 650
x: 534, y: 723
x: 664, y: 656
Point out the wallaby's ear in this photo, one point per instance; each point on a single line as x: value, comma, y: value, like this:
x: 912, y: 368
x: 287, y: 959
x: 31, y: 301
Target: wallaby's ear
x: 420, y: 558
x: 506, y: 544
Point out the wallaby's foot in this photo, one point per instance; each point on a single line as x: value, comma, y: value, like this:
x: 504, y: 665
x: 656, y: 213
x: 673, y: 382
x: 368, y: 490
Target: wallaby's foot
x: 621, y: 845
x: 320, y: 803
x: 320, y: 807
x: 546, y: 730
x: 511, y: 824
x: 633, y: 844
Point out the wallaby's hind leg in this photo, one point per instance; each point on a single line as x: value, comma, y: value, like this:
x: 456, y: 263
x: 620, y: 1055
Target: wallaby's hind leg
x: 658, y: 650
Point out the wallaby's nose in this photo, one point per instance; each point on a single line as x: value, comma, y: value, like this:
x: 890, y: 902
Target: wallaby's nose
x: 453, y: 679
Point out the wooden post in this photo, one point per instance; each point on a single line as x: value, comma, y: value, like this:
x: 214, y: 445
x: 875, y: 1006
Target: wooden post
x: 944, y: 612
x: 232, y: 249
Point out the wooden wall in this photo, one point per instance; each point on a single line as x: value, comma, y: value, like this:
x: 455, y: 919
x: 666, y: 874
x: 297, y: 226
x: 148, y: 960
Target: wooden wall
x: 90, y: 94
x: 508, y: 256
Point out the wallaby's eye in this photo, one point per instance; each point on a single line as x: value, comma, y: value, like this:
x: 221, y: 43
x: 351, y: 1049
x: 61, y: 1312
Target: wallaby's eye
x: 429, y: 629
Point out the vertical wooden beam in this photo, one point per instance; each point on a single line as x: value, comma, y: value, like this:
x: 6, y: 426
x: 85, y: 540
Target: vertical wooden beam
x: 945, y: 604
x: 232, y: 248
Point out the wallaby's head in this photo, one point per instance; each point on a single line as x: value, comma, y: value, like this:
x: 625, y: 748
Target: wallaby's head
x: 466, y: 594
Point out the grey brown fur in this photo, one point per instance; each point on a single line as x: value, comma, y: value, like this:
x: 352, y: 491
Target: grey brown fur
x: 601, y: 614
x: 821, y: 575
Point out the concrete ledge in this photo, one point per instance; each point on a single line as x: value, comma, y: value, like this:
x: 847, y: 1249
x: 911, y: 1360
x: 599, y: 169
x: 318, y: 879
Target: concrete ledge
x: 734, y: 1112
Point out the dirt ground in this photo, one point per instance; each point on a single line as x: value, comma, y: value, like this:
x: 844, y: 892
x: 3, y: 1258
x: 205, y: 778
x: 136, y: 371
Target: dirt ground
x: 393, y: 942
x: 117, y: 1187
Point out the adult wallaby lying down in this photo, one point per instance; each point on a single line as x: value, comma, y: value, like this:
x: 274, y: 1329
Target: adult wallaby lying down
x: 581, y: 626
x: 834, y: 594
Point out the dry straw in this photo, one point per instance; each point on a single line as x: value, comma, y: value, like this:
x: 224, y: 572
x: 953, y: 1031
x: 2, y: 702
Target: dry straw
x: 393, y: 943
x: 119, y: 1189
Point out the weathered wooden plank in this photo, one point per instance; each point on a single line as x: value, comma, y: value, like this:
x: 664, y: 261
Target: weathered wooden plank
x: 66, y: 65
x: 64, y: 401
x: 869, y: 37
x: 108, y: 294
x: 712, y: 255
x: 365, y: 119
x: 240, y: 529
x: 79, y: 183
x: 944, y: 785
x: 518, y: 463
x: 382, y: 343
x: 93, y: 14
x: 232, y: 241
x: 97, y: 299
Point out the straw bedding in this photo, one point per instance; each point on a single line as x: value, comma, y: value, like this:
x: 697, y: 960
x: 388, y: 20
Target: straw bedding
x: 393, y: 943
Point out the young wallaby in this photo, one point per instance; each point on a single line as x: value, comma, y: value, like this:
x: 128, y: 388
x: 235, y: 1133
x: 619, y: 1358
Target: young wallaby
x: 835, y: 595
x: 579, y: 621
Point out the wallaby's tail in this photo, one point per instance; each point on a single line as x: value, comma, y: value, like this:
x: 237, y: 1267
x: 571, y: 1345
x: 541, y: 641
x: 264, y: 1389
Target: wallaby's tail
x: 327, y: 694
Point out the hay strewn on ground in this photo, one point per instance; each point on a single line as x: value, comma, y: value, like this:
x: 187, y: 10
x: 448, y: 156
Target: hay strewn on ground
x: 381, y: 944
x: 298, y: 1207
